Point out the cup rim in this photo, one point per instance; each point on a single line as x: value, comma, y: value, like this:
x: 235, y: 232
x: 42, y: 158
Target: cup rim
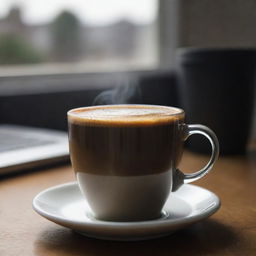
x: 179, y: 110
x: 119, y: 121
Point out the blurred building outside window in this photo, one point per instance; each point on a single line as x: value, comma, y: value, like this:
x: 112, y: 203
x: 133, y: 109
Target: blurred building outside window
x: 34, y: 42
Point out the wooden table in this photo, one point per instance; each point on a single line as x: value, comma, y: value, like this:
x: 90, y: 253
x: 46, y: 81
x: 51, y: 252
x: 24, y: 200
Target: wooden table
x: 231, y: 231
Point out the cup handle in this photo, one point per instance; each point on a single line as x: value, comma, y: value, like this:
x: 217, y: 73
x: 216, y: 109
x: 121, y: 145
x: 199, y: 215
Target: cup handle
x: 179, y: 177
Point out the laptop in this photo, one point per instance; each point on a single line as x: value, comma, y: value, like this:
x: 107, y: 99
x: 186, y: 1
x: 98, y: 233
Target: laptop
x: 23, y: 148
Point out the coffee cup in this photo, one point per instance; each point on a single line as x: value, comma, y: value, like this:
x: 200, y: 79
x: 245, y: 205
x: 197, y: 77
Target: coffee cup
x: 125, y: 157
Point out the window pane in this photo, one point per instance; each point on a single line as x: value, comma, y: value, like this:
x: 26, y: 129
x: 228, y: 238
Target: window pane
x: 77, y: 35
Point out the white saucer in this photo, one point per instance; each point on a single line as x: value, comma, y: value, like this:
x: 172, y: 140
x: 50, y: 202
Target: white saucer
x: 65, y: 205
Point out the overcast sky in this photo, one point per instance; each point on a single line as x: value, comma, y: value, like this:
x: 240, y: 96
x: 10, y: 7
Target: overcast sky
x: 98, y: 12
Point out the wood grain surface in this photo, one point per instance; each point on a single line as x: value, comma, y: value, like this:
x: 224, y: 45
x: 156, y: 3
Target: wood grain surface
x: 231, y: 231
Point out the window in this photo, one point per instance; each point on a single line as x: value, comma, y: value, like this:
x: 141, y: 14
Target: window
x: 58, y: 36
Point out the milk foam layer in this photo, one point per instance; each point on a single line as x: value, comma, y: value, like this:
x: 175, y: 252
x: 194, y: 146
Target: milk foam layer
x: 129, y: 114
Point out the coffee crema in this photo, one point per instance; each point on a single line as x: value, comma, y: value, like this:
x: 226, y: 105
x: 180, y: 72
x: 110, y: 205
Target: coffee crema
x: 115, y: 115
x: 125, y: 140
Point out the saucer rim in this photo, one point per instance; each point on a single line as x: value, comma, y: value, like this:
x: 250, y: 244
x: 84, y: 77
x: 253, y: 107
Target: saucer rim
x: 123, y: 225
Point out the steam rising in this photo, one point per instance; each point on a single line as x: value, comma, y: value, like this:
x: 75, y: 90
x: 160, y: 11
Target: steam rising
x: 125, y: 92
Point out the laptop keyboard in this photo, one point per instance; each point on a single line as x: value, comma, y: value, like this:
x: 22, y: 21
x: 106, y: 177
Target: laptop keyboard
x: 15, y: 142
